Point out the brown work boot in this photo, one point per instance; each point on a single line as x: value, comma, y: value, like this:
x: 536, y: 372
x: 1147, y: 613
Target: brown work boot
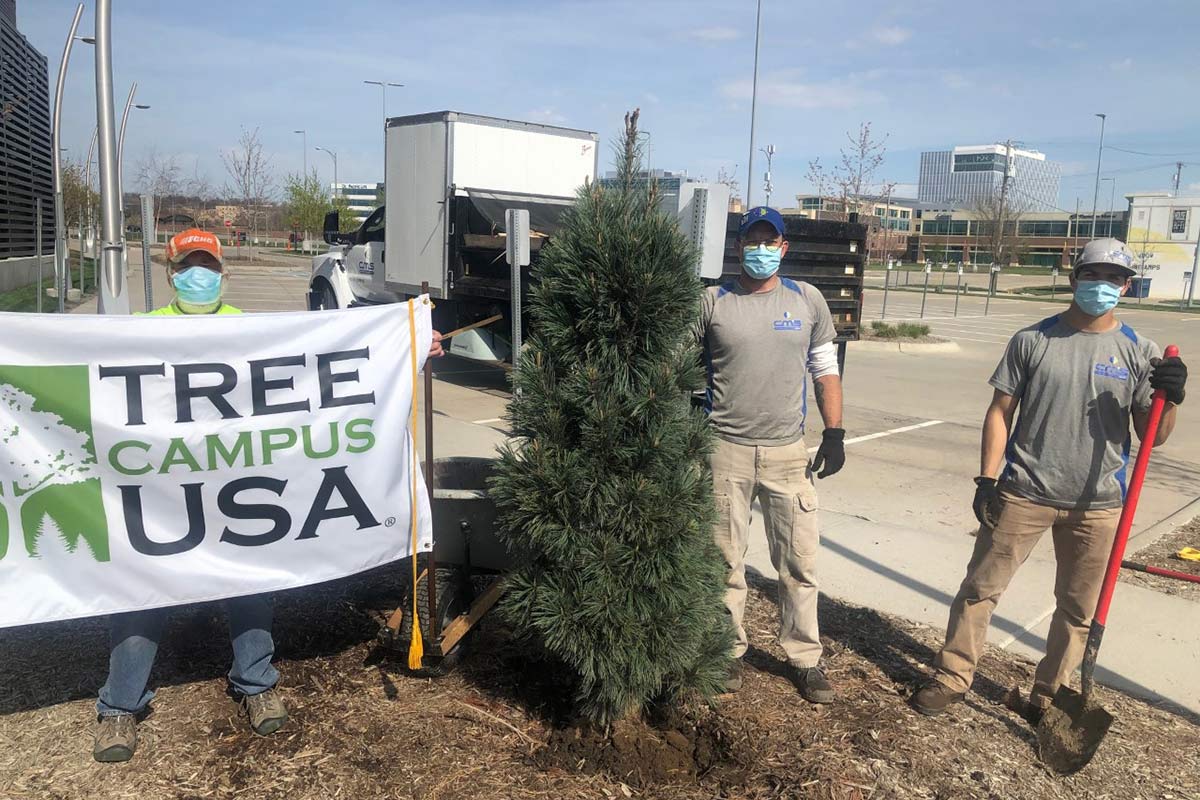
x: 733, y: 680
x: 934, y: 698
x: 116, y: 738
x: 266, y: 711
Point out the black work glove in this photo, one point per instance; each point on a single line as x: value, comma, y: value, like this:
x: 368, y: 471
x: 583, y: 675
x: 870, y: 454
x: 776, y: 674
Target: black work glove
x: 831, y: 454
x: 987, y: 502
x: 1169, y: 374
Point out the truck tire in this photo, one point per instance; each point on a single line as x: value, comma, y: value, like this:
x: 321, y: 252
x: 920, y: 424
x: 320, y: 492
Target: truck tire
x: 326, y: 299
x: 452, y: 590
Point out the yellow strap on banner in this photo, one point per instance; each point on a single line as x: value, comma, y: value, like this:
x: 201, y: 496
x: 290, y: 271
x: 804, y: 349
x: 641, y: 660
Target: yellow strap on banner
x: 416, y: 648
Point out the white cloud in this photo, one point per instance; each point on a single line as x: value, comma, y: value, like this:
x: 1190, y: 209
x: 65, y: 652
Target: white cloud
x: 798, y: 94
x: 545, y: 115
x: 1123, y: 64
x: 652, y: 98
x: 893, y: 35
x: 716, y: 34
x: 954, y: 80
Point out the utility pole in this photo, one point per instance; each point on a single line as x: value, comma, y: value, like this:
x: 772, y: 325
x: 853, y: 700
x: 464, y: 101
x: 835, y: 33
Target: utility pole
x: 1099, y: 157
x: 769, y: 150
x: 383, y: 85
x: 114, y: 295
x: 1178, y: 175
x: 997, y: 250
x: 753, y: 108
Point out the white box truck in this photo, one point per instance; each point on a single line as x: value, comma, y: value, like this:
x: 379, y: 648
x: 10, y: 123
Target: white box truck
x: 449, y: 177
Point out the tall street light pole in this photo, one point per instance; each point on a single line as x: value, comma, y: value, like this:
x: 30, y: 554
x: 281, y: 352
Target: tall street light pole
x: 129, y: 104
x: 1099, y: 157
x: 61, y: 277
x: 383, y: 86
x: 304, y: 153
x: 114, y: 296
x: 753, y: 108
x: 1112, y: 196
x: 332, y: 155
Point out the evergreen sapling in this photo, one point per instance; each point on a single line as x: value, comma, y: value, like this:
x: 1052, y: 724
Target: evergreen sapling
x: 605, y: 496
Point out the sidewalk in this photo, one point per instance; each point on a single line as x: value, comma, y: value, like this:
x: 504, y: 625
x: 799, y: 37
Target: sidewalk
x: 1151, y: 645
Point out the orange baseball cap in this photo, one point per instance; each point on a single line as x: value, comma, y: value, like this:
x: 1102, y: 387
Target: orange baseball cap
x: 191, y: 240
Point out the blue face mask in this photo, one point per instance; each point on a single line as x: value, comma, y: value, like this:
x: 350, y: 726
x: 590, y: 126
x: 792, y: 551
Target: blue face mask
x: 197, y: 286
x: 761, y: 263
x: 1096, y: 298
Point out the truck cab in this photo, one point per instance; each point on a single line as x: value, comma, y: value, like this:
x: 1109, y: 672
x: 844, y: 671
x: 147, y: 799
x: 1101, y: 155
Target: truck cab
x: 351, y: 273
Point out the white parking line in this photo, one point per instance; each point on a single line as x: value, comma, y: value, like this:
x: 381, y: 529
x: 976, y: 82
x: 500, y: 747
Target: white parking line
x: 893, y: 431
x: 486, y: 421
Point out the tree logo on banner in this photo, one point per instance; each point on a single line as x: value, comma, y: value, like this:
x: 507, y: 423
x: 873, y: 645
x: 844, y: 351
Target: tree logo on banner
x: 50, y: 500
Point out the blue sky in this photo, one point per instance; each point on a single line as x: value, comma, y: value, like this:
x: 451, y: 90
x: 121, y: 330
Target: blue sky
x: 928, y: 73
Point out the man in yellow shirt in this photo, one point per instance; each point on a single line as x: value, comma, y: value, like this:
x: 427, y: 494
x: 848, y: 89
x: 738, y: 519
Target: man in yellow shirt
x: 197, y: 274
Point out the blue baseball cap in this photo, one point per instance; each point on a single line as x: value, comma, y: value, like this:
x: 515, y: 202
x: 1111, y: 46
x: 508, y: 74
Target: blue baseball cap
x: 760, y: 214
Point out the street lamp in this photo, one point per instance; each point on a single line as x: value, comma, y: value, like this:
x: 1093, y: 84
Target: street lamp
x: 332, y: 155
x: 304, y: 151
x: 383, y: 86
x: 129, y: 104
x: 1112, y: 195
x: 1099, y: 156
x: 61, y: 277
x: 753, y: 106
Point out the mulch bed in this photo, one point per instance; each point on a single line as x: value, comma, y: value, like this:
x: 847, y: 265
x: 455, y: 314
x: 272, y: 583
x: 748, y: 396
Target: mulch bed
x: 497, y: 726
x: 1162, y: 554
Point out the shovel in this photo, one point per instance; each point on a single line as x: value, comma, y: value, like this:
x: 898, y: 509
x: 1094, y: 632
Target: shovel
x: 1074, y: 726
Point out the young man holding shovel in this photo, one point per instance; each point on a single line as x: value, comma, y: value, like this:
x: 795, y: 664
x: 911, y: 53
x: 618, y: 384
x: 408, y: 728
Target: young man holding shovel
x: 763, y: 336
x: 1079, y: 378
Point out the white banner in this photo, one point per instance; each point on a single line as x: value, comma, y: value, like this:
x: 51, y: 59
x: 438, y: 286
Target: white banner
x: 153, y: 461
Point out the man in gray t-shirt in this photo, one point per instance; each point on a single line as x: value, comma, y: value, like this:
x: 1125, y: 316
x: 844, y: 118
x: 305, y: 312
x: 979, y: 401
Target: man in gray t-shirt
x: 763, y: 337
x: 1079, y: 379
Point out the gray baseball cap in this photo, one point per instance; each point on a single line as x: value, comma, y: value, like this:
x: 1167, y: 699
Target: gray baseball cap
x: 1113, y: 252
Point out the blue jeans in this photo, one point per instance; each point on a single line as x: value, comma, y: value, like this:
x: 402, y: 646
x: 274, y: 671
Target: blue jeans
x: 135, y: 638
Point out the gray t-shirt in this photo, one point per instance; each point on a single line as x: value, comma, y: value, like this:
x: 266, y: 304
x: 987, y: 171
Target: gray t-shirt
x: 1070, y: 445
x: 756, y: 349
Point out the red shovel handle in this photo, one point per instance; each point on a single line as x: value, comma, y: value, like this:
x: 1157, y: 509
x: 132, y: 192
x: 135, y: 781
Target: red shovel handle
x: 1131, y: 499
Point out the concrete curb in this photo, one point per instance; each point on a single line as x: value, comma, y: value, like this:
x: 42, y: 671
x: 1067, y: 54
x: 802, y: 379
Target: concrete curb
x: 1165, y: 526
x: 904, y: 347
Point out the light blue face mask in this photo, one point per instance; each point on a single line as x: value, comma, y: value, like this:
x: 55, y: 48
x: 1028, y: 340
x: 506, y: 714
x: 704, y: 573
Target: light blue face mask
x: 1096, y: 298
x: 760, y: 262
x: 197, y: 286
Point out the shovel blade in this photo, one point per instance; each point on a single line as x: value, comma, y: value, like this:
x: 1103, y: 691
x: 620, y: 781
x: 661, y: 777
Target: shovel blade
x: 1071, y: 731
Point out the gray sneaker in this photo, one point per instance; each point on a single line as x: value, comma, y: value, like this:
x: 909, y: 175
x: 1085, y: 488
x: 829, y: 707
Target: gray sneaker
x: 812, y: 683
x: 266, y: 711
x: 733, y: 679
x: 116, y: 738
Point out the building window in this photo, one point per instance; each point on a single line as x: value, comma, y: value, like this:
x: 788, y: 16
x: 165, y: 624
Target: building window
x: 1179, y: 220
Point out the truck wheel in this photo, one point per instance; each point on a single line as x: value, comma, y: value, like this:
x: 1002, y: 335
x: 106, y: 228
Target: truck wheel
x: 452, y: 593
x: 324, y: 297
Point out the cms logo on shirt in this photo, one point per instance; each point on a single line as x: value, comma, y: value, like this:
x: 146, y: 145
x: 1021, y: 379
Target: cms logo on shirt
x: 788, y: 323
x: 1112, y: 369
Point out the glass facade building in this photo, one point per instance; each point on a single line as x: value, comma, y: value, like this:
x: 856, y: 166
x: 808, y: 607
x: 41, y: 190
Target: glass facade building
x: 964, y: 175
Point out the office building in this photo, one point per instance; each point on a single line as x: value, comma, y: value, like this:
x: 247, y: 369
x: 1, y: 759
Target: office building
x: 965, y: 175
x: 363, y: 198
x: 26, y: 172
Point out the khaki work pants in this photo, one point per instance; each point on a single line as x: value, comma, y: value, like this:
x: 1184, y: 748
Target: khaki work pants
x: 1082, y: 544
x: 779, y: 477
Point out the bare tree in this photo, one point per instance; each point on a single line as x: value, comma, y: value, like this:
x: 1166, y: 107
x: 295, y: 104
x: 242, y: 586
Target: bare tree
x: 729, y: 180
x: 252, y: 180
x: 998, y: 221
x: 158, y: 175
x: 821, y: 180
x: 199, y: 187
x: 855, y: 175
x: 881, y: 234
